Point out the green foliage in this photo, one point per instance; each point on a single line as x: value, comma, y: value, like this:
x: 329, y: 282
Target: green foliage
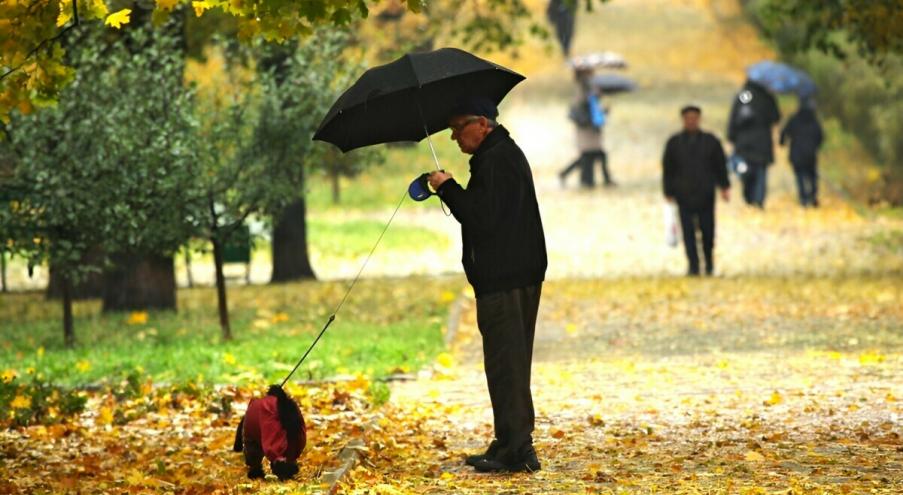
x: 854, y: 53
x: 873, y: 27
x: 298, y: 82
x: 107, y: 166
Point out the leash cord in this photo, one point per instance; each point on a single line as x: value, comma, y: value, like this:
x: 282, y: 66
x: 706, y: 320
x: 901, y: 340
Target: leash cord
x: 348, y: 291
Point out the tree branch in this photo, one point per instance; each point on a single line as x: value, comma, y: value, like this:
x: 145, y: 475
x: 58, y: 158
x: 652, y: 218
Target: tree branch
x: 48, y: 40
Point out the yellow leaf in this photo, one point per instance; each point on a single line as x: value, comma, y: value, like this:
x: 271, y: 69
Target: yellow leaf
x: 137, y: 317
x: 167, y: 4
x: 65, y: 13
x: 753, y: 456
x: 775, y: 399
x: 228, y: 358
x: 570, y: 328
x: 41, y: 352
x: 105, y: 416
x: 20, y: 402
x: 200, y: 7
x: 117, y: 19
x: 8, y: 375
x: 447, y: 296
x: 446, y: 476
x: 445, y: 360
x: 83, y: 365
x: 279, y: 318
x: 360, y: 382
x: 871, y: 358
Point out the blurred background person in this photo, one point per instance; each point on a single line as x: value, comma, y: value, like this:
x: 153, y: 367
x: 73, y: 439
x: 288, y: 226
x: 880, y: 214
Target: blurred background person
x: 589, y: 117
x: 693, y: 166
x: 806, y: 136
x: 753, y: 114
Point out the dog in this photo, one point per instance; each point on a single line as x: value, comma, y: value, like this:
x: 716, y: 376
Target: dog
x: 272, y: 427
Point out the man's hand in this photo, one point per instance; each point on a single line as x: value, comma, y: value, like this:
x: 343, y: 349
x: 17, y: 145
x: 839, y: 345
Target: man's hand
x: 726, y: 195
x: 437, y: 178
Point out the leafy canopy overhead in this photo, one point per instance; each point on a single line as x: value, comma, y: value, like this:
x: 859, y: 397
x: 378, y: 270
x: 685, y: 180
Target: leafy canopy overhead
x: 34, y: 32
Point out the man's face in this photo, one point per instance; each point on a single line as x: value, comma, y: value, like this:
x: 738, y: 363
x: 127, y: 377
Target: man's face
x: 691, y: 121
x: 469, y: 131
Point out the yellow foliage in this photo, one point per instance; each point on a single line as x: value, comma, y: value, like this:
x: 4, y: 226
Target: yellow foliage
x: 20, y: 402
x: 8, y: 375
x: 137, y: 318
x: 83, y: 365
x: 775, y: 399
x: 445, y: 360
x: 228, y: 358
x: 200, y: 7
x: 167, y: 5
x: 117, y: 19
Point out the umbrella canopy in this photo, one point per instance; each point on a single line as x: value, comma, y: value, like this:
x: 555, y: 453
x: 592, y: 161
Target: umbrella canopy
x: 412, y: 97
x: 781, y: 78
x: 600, y: 60
x: 612, y: 83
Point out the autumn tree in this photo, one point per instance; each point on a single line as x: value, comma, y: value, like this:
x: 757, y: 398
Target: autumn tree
x: 107, y: 167
x: 34, y: 69
x: 298, y: 83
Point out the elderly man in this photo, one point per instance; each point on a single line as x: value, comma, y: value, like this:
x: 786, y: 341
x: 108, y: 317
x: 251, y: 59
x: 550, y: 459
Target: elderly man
x: 505, y: 261
x: 694, y: 166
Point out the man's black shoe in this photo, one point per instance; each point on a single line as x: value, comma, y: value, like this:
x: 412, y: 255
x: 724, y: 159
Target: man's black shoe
x: 527, y: 464
x: 493, y: 449
x: 256, y: 473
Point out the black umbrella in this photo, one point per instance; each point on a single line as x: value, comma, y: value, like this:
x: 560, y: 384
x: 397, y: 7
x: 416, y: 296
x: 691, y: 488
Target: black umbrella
x: 412, y: 97
x: 612, y: 83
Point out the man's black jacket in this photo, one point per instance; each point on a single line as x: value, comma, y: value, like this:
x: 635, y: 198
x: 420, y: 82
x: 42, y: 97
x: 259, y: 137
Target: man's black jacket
x: 805, y: 136
x: 504, y: 244
x: 694, y: 164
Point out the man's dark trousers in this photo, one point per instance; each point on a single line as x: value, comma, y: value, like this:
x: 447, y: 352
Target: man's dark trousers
x: 702, y: 215
x: 507, y: 322
x: 755, y: 183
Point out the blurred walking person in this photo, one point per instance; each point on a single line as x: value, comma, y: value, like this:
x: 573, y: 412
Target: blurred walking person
x: 589, y: 118
x: 752, y: 117
x: 694, y: 166
x: 806, y: 136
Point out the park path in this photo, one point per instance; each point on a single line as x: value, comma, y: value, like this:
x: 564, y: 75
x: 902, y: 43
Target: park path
x: 785, y: 372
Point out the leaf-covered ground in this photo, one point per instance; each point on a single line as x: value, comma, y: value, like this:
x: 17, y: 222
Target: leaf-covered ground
x: 676, y: 386
x: 782, y: 375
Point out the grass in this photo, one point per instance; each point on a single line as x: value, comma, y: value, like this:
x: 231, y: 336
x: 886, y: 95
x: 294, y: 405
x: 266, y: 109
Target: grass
x: 386, y: 326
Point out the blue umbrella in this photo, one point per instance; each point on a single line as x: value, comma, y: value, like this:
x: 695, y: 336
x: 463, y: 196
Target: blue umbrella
x: 781, y: 78
x: 613, y: 83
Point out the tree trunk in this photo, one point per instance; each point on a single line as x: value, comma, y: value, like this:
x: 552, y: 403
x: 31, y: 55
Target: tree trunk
x: 336, y: 186
x: 3, y: 271
x: 91, y: 287
x: 291, y: 260
x: 188, y: 267
x: 68, y: 327
x: 221, y: 302
x: 140, y: 282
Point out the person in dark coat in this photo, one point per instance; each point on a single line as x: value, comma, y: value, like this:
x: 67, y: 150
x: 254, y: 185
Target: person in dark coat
x: 505, y: 261
x: 752, y: 117
x: 694, y: 165
x: 272, y: 427
x: 805, y: 135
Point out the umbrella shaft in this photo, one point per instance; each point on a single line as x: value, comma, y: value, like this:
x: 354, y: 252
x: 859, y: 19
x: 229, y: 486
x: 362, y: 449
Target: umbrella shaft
x: 433, y: 150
